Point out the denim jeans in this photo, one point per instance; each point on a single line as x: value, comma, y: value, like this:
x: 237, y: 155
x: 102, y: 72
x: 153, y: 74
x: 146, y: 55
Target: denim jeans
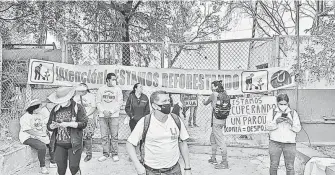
x: 132, y: 124
x: 64, y: 153
x: 175, y: 171
x: 193, y: 115
x: 217, y: 140
x: 109, y: 128
x: 88, y: 145
x: 40, y: 147
x: 289, y: 151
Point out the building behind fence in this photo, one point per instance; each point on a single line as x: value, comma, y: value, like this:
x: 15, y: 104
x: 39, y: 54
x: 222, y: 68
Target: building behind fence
x: 244, y: 54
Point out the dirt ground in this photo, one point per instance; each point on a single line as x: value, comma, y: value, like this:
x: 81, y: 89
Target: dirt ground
x: 242, y: 161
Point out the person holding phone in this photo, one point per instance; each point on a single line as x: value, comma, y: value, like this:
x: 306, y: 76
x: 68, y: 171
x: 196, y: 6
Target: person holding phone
x: 283, y: 128
x: 67, y: 121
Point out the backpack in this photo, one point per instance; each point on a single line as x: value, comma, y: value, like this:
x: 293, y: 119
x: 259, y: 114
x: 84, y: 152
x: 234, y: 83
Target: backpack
x: 147, y: 119
x: 223, y: 106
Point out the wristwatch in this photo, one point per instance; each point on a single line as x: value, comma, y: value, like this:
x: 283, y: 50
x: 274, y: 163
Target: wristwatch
x: 187, y: 169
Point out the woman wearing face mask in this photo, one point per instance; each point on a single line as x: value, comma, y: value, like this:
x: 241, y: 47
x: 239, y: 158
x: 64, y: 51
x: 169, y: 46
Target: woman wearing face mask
x: 137, y: 106
x: 67, y: 121
x: 283, y: 129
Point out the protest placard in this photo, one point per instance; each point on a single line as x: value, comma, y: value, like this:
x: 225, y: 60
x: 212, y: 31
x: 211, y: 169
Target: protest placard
x: 249, y: 115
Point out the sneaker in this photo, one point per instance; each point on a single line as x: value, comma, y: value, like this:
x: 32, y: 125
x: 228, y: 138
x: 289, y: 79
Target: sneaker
x: 195, y: 125
x: 87, y: 158
x: 103, y: 158
x: 222, y: 165
x: 213, y: 161
x: 116, y: 158
x: 53, y: 165
x: 189, y: 125
x: 44, y: 170
x: 129, y: 159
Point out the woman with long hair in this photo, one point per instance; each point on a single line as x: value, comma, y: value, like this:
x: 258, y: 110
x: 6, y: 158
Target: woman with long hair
x: 137, y: 106
x: 283, y: 128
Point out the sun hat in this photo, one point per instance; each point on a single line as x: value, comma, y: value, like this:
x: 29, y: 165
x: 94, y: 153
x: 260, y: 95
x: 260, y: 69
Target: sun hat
x: 81, y: 88
x: 62, y: 95
x: 33, y: 103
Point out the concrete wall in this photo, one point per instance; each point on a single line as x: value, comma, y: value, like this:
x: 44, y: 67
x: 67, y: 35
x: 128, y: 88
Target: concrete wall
x: 313, y: 105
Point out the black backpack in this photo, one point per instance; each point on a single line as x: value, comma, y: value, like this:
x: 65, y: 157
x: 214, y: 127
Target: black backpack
x: 222, y: 107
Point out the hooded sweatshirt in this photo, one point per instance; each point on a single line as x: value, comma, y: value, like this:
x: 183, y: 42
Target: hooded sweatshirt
x: 109, y: 99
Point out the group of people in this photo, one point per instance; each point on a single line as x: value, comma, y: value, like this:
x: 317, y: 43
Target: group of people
x: 158, y: 137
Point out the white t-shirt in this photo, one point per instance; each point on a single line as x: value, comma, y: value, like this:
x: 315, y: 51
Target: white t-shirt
x: 88, y: 102
x: 161, y: 145
x: 37, y: 122
x: 109, y: 99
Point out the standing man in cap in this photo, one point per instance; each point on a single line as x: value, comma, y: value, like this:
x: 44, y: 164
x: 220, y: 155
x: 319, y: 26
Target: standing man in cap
x: 67, y: 121
x: 164, y: 138
x: 87, y: 100
x: 109, y: 101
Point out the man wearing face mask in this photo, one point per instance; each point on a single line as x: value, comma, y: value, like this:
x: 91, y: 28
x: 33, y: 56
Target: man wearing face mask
x: 164, y: 137
x: 109, y: 100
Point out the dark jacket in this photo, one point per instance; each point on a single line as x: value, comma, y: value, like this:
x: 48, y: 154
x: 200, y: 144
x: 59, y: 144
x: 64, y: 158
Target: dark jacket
x: 136, y: 108
x: 176, y: 109
x: 76, y: 134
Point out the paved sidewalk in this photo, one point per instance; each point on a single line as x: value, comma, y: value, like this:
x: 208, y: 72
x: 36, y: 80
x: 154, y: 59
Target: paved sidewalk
x: 242, y: 161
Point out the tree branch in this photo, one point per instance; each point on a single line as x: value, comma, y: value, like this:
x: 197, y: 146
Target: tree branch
x: 12, y: 5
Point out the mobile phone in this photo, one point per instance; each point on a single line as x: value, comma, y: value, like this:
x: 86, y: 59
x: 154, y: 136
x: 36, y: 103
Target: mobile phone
x: 284, y: 115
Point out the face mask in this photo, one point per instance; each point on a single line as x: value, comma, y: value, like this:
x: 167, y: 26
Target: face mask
x: 282, y: 107
x: 165, y: 109
x: 114, y: 83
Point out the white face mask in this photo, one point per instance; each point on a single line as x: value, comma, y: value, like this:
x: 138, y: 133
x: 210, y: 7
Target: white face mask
x: 113, y: 83
x: 283, y: 107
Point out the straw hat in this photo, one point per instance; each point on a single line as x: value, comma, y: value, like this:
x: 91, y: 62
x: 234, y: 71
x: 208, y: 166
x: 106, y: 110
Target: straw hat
x: 34, y: 102
x: 81, y: 88
x: 62, y: 95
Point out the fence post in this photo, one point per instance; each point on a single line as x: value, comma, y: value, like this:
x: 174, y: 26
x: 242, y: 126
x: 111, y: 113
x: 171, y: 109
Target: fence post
x: 219, y: 56
x: 277, y: 50
x: 169, y: 56
x: 162, y: 55
x: 0, y: 72
x: 64, y: 51
x: 275, y: 61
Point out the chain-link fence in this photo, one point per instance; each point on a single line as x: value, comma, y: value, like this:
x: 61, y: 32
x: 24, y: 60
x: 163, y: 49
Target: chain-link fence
x: 221, y: 55
x: 15, y: 93
x: 117, y: 53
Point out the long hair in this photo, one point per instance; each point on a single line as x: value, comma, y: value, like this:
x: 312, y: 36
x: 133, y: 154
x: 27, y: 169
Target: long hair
x: 31, y: 109
x: 283, y: 97
x: 219, y: 85
x: 134, y: 88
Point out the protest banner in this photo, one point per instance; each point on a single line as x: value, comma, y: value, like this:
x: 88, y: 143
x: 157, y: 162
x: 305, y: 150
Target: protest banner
x: 249, y: 115
x: 171, y: 80
x: 189, y: 100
